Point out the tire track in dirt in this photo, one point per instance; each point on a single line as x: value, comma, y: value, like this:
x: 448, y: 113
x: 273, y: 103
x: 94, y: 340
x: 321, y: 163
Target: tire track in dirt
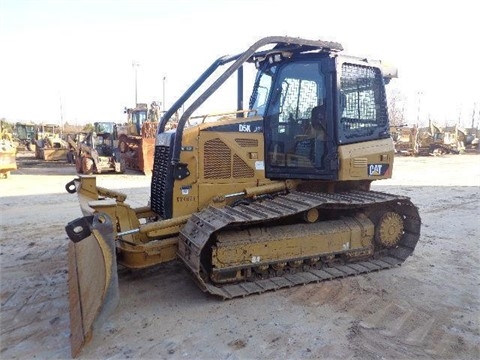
x: 34, y: 310
x: 382, y: 325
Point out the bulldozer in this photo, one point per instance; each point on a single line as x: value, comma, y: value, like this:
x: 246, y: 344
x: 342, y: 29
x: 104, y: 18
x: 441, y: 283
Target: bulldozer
x: 447, y: 140
x: 405, y: 139
x: 97, y: 151
x: 264, y: 197
x: 137, y: 137
x: 431, y: 140
x: 49, y: 145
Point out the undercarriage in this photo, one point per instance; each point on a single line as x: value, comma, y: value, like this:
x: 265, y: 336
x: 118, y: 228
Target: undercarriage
x: 297, y: 238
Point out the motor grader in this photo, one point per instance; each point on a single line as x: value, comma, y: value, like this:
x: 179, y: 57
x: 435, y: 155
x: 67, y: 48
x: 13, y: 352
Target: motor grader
x: 258, y: 199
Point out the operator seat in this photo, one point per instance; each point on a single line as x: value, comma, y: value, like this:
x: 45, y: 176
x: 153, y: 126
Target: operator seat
x: 319, y: 126
x: 318, y: 119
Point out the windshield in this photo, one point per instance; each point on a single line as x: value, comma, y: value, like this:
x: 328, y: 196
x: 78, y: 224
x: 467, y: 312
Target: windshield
x: 261, y: 89
x: 21, y: 132
x: 104, y: 127
x: 139, y: 117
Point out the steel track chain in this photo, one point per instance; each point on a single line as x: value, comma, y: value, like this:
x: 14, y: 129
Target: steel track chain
x: 196, y: 233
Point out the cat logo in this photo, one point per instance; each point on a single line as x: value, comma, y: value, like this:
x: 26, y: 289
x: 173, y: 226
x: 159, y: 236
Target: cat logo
x: 377, y: 169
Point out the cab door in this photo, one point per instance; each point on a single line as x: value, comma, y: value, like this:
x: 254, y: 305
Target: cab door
x: 299, y: 133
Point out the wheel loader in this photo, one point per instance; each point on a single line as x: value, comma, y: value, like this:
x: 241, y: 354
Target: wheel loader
x: 137, y: 137
x: 267, y: 196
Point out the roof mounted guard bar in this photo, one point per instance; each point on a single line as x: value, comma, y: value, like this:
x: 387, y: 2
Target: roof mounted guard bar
x: 239, y: 60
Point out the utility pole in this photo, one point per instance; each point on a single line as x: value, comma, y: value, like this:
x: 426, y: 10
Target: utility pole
x: 163, y: 102
x: 135, y: 66
x: 61, y: 114
x: 473, y: 114
x: 419, y: 94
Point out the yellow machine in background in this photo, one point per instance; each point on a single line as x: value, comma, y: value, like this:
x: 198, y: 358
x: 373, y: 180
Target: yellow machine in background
x: 49, y: 144
x: 432, y: 140
x: 258, y: 199
x: 136, y: 139
x: 8, y: 153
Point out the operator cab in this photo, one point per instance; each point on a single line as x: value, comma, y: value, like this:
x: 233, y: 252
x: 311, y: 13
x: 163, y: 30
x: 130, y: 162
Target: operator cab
x: 138, y: 118
x: 312, y: 103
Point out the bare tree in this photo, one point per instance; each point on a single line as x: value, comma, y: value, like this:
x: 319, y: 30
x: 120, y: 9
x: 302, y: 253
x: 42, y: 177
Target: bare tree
x: 396, y: 107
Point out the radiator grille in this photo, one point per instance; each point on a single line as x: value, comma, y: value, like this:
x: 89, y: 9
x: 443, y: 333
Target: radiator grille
x: 217, y: 160
x: 162, y: 182
x: 241, y: 169
x: 247, y: 142
x: 220, y: 163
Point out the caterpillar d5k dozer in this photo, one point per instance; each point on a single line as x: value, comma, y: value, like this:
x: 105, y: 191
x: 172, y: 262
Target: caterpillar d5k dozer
x: 260, y: 199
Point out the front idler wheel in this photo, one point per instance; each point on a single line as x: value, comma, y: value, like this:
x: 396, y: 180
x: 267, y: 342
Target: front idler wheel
x: 389, y: 229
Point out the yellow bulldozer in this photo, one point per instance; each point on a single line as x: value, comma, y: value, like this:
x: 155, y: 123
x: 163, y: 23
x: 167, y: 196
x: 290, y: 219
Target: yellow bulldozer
x: 432, y: 140
x: 49, y: 145
x: 268, y: 196
x: 448, y: 140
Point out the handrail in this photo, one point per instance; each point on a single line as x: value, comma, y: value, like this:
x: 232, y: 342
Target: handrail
x: 238, y: 61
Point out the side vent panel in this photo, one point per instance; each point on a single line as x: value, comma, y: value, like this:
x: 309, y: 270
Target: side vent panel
x: 217, y: 160
x: 358, y: 167
x: 222, y: 163
x: 241, y: 169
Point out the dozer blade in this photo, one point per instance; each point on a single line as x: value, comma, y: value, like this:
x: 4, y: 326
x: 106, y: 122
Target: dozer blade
x: 92, y: 276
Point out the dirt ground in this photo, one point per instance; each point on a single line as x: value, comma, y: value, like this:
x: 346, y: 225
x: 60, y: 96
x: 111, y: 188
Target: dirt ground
x: 429, y: 308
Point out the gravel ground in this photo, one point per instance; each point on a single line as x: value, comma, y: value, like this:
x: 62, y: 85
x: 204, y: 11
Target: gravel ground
x: 426, y: 309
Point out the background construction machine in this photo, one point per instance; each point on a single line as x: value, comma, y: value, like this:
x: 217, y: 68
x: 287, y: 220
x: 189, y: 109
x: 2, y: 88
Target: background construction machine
x: 49, y: 144
x: 471, y: 138
x: 97, y: 152
x: 432, y: 140
x: 25, y: 136
x: 448, y: 140
x: 137, y: 137
x: 8, y: 152
x: 267, y: 197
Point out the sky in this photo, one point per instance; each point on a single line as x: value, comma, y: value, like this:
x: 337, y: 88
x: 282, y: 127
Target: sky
x: 71, y: 60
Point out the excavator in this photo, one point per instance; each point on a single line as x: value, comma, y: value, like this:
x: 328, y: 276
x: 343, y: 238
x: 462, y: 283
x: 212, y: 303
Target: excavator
x: 267, y: 196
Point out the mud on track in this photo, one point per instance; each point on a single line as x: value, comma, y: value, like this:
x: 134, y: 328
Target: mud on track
x: 428, y: 308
